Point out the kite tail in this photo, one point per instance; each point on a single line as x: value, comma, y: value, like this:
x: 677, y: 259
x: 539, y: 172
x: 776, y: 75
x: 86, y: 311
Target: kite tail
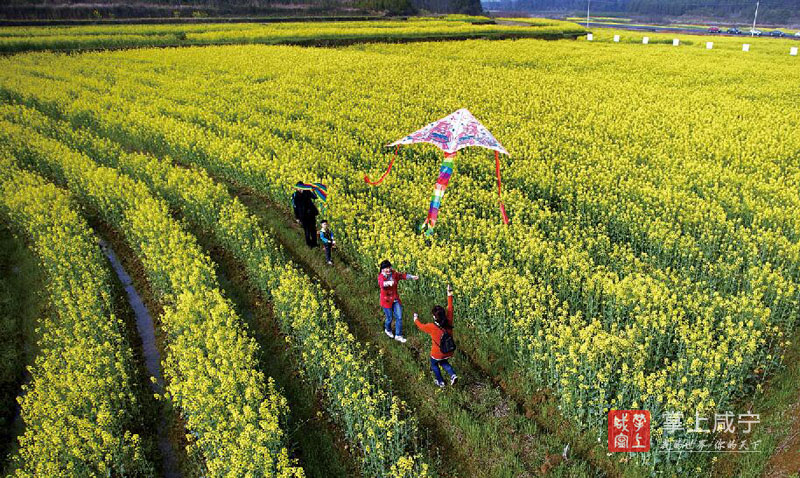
x: 499, y: 186
x: 445, y: 171
x: 380, y: 180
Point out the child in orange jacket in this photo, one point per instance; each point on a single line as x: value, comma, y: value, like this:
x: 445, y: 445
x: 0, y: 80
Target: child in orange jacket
x: 442, y: 323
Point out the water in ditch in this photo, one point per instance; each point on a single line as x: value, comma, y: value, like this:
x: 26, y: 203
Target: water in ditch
x: 152, y: 358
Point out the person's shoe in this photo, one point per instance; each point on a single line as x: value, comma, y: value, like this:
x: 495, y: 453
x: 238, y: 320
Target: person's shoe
x: 389, y: 333
x: 400, y: 339
x: 439, y: 384
x: 453, y: 379
x: 330, y: 263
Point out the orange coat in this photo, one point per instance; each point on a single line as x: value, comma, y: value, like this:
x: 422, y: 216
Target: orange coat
x: 436, y: 333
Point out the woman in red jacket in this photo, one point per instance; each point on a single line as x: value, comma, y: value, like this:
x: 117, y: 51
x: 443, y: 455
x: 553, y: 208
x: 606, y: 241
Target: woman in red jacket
x: 442, y: 323
x: 390, y: 299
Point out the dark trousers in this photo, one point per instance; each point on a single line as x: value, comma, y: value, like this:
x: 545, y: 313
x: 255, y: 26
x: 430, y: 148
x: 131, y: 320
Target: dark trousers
x: 327, y: 248
x: 438, y: 373
x: 310, y: 228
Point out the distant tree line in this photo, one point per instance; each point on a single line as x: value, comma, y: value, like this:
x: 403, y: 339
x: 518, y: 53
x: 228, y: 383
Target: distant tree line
x: 770, y: 11
x: 103, y: 9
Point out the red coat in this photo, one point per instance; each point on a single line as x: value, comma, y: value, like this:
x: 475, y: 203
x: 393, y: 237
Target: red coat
x: 389, y: 293
x: 436, y: 333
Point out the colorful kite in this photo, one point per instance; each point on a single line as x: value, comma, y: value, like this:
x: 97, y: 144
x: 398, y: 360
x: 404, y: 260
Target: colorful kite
x: 320, y: 191
x: 456, y: 131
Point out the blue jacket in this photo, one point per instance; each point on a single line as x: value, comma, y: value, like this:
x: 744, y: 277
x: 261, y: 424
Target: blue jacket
x: 326, y: 237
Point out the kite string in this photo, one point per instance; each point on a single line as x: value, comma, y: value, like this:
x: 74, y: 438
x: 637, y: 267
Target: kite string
x: 499, y: 186
x: 380, y: 180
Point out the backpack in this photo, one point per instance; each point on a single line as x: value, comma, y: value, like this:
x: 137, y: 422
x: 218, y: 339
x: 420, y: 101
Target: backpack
x: 446, y: 343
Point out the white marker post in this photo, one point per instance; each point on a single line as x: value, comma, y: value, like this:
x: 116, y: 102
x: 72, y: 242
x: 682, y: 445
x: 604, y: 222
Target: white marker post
x: 589, y: 36
x: 616, y: 38
x: 709, y: 45
x: 793, y: 51
x: 676, y: 42
x: 746, y: 47
x: 645, y: 40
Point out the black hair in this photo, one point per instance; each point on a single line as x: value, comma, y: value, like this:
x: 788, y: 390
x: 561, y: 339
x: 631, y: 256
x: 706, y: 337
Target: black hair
x: 440, y: 316
x: 385, y: 263
x: 324, y: 222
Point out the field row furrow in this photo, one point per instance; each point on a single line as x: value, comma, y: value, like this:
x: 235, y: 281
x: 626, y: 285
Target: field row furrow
x: 233, y: 413
x: 80, y: 410
x: 372, y: 419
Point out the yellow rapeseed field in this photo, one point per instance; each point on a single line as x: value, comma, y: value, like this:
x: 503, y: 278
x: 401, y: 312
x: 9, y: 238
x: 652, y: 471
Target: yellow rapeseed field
x: 652, y: 256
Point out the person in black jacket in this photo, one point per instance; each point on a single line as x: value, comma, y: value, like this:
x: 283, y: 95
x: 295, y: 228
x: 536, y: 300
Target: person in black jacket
x: 306, y: 212
x: 295, y: 208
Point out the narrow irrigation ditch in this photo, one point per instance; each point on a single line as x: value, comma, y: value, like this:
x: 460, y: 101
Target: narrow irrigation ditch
x: 152, y: 359
x: 164, y: 421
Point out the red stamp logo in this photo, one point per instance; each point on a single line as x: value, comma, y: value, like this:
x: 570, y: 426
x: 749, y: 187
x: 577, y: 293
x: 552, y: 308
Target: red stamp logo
x: 629, y: 430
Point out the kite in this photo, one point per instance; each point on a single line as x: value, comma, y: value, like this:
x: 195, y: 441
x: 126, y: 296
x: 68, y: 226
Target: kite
x: 320, y: 191
x: 450, y: 134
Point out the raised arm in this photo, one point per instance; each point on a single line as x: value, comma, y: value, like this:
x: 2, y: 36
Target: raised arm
x: 450, y: 305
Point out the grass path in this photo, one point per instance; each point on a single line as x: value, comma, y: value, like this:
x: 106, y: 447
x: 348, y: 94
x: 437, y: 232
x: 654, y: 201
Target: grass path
x: 480, y: 409
x: 474, y: 431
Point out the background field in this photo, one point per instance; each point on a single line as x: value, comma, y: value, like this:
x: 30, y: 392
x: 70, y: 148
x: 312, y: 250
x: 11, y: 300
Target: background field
x: 453, y: 27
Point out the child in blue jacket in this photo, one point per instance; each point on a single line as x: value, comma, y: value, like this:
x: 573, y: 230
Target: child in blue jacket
x: 326, y: 236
